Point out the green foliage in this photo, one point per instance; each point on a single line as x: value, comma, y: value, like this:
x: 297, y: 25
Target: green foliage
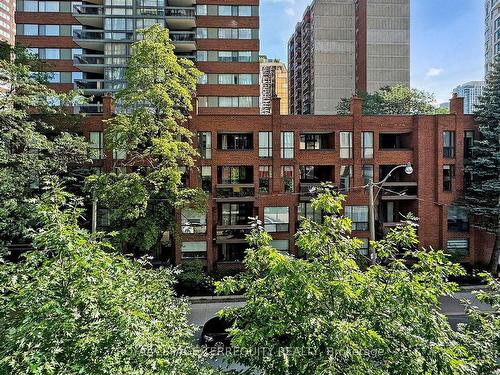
x: 158, y: 97
x: 193, y: 279
x: 482, y: 195
x: 74, y: 306
x: 327, y: 315
x: 395, y: 100
x: 31, y: 148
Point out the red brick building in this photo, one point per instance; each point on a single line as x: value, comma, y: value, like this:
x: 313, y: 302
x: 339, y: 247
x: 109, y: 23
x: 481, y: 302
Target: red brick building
x: 265, y: 166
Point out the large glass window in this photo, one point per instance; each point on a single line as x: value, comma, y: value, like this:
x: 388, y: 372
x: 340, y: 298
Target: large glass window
x: 287, y: 147
x: 205, y: 145
x: 276, y: 219
x: 30, y: 29
x: 265, y: 176
x: 367, y: 173
x: 201, y: 10
x: 448, y: 175
x: 367, y: 145
x: 96, y: 145
x: 345, y: 177
x: 458, y: 247
x: 458, y: 220
x: 469, y: 136
x: 358, y: 216
x: 265, y: 144
x: 235, y: 214
x: 193, y: 221
x: 206, y: 178
x: 201, y: 33
x: 235, y: 175
x: 307, y: 211
x: 52, y: 30
x: 232, y: 141
x: 30, y: 6
x: 194, y: 249
x: 449, y: 144
x: 287, y: 178
x: 52, y: 54
x: 346, y: 145
x: 245, y: 10
x: 316, y: 141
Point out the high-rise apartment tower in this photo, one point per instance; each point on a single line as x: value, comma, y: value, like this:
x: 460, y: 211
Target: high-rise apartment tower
x: 492, y: 31
x: 88, y: 44
x: 273, y: 82
x: 7, y: 25
x: 345, y: 46
x: 471, y: 92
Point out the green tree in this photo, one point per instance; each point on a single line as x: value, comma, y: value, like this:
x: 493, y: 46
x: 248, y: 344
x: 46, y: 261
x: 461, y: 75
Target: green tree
x: 160, y: 88
x: 327, y: 315
x: 394, y: 100
x: 37, y: 141
x: 482, y: 195
x: 74, y: 306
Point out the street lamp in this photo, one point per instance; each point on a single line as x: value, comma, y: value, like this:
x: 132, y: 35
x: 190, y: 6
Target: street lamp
x: 371, y: 202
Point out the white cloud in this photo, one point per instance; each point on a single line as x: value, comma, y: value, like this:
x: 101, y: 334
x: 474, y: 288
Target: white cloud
x: 434, y: 72
x: 290, y: 12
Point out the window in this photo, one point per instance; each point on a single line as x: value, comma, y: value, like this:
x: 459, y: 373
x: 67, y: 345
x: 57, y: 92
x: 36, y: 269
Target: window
x: 201, y: 55
x: 281, y: 245
x: 244, y: 79
x: 52, y: 30
x: 345, y: 177
x: 201, y: 10
x: 119, y: 154
x: 358, y: 216
x: 193, y: 221
x: 50, y: 6
x: 227, y: 33
x: 287, y: 145
x: 203, y: 79
x: 205, y: 144
x: 235, y: 175
x: 52, y: 53
x: 235, y: 214
x: 194, y: 249
x: 96, y: 145
x: 367, y: 145
x: 227, y: 79
x: 225, y: 56
x: 287, y: 178
x: 30, y: 29
x: 265, y: 176
x: 231, y: 252
x: 76, y: 75
x: 225, y: 10
x: 235, y: 141
x: 307, y: 211
x: 448, y: 174
x: 449, y: 144
x: 265, y: 144
x: 30, y: 6
x: 365, y: 246
x: 54, y: 77
x: 228, y: 101
x: 346, y: 145
x: 245, y: 34
x: 206, y: 178
x: 458, y: 220
x: 245, y: 56
x: 458, y: 247
x: 316, y: 141
x: 201, y: 33
x: 469, y: 142
x: 276, y: 219
x: 245, y: 10
x: 367, y: 173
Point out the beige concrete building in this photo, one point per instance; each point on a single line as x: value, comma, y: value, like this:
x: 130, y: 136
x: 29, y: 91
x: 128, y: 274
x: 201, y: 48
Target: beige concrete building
x: 345, y: 46
x: 273, y: 82
x: 492, y: 31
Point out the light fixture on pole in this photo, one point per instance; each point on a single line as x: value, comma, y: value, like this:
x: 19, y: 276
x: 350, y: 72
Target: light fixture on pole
x: 371, y: 203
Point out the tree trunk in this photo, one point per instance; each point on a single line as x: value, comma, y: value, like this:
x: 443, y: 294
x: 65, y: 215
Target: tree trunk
x: 495, y: 256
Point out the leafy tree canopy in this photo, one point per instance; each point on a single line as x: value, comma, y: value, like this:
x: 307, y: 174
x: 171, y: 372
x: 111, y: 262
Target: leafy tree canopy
x: 37, y: 140
x: 150, y: 131
x: 394, y: 100
x: 328, y: 315
x: 74, y: 306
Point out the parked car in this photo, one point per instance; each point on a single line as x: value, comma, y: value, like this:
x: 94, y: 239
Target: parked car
x: 215, y: 335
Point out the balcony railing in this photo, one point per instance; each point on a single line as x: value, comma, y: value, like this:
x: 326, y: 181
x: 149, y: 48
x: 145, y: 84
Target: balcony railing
x: 99, y: 84
x: 182, y: 36
x: 88, y: 34
x: 180, y: 12
x: 235, y: 191
x: 90, y: 10
x: 89, y: 59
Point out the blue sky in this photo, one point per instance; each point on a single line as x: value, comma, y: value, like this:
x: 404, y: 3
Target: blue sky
x: 447, y: 39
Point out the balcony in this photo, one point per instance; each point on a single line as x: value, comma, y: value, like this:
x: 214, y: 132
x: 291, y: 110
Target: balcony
x: 237, y: 192
x: 398, y: 191
x: 180, y: 18
x: 96, y: 86
x: 91, y: 15
x: 91, y: 108
x: 395, y: 141
x: 89, y: 39
x: 89, y: 63
x: 184, y: 41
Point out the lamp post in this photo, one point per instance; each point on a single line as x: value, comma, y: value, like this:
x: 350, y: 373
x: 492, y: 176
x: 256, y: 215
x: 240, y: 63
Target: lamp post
x: 371, y: 203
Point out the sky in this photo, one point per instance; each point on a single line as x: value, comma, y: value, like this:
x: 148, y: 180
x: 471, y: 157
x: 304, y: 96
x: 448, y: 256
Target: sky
x: 447, y: 40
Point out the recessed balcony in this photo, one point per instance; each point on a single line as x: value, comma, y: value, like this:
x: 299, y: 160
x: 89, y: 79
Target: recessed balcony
x: 89, y: 63
x: 89, y: 39
x: 98, y: 86
x: 91, y: 15
x: 180, y: 18
x: 184, y: 41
